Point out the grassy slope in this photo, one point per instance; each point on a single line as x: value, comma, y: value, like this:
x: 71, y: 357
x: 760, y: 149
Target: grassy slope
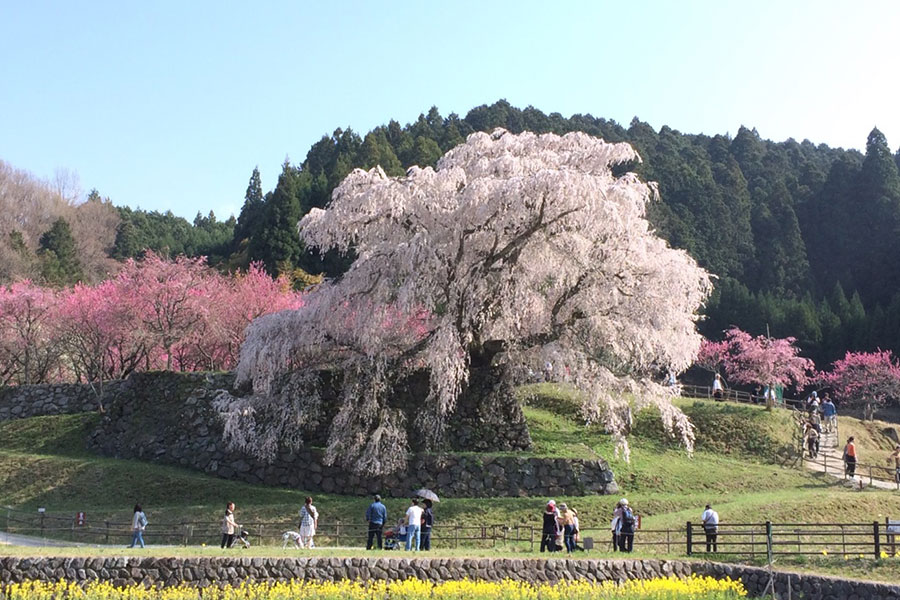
x: 43, y: 462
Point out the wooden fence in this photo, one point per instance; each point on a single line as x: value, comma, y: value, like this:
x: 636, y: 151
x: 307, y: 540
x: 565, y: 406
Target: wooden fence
x: 873, y: 539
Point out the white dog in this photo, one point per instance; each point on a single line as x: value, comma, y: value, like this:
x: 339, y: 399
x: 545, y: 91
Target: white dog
x: 291, y: 537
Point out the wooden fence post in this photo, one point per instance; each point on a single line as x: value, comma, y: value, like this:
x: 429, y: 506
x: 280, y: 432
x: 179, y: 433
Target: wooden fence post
x: 690, y: 545
x: 877, y: 532
x: 769, y: 541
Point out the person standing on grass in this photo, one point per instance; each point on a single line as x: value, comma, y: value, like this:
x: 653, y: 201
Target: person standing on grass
x: 427, y: 524
x: 896, y: 456
x: 850, y: 458
x: 566, y: 521
x: 626, y: 529
x: 309, y: 522
x: 229, y: 526
x: 710, y: 520
x: 138, y: 523
x: 717, y: 387
x: 615, y: 524
x: 549, y: 528
x: 376, y: 516
x: 414, y: 525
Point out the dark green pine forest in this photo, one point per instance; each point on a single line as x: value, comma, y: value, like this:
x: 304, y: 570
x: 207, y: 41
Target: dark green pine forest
x: 803, y: 238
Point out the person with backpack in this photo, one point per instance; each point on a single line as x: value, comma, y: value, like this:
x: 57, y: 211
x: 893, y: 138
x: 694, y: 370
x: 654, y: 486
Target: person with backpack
x: 138, y: 524
x: 626, y: 529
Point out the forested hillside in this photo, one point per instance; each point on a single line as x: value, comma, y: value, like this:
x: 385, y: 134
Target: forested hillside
x: 802, y: 237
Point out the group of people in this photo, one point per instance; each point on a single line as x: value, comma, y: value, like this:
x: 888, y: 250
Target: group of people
x: 416, y: 524
x: 560, y: 528
x: 309, y: 522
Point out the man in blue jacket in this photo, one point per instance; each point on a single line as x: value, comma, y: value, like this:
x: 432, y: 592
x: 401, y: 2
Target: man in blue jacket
x: 376, y: 515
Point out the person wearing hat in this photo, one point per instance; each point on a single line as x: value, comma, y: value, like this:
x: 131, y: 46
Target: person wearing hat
x: 626, y: 527
x: 549, y: 528
x: 376, y: 515
x: 710, y: 520
x: 567, y: 524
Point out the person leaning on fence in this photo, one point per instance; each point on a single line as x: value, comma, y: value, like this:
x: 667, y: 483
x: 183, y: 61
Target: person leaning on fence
x: 549, y: 528
x: 895, y: 455
x: 138, y: 523
x: 376, y: 517
x: 229, y: 526
x: 710, y: 520
x: 850, y: 458
x: 626, y: 527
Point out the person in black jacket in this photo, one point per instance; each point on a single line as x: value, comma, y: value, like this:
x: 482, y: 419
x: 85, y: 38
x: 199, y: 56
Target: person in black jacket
x: 427, y: 524
x: 550, y: 528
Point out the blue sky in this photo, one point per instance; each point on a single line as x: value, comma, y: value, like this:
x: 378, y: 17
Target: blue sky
x: 170, y: 105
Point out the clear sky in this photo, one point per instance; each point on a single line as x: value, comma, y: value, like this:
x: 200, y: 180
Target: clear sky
x: 168, y: 105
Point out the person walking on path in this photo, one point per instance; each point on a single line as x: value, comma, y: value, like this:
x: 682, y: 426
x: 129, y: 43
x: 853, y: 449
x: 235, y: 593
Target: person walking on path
x: 830, y: 413
x: 309, y: 522
x: 894, y: 455
x: 414, y: 525
x: 710, y: 520
x: 427, y: 524
x: 376, y: 516
x: 138, y: 523
x: 812, y: 440
x: 229, y: 526
x: 549, y: 528
x: 850, y: 458
x: 626, y: 529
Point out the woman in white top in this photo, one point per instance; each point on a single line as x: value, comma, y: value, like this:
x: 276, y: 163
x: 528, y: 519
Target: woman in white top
x: 229, y: 526
x: 616, y: 524
x: 309, y: 521
x: 138, y: 523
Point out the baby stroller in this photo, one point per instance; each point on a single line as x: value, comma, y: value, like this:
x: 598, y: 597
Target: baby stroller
x: 243, y: 539
x: 395, y: 539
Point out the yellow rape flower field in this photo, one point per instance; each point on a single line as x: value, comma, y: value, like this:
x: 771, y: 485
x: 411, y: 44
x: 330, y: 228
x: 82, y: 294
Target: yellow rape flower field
x: 671, y: 588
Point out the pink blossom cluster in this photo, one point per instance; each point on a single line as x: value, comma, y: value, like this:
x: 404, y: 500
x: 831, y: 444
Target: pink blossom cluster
x: 759, y: 360
x: 864, y: 377
x: 156, y: 313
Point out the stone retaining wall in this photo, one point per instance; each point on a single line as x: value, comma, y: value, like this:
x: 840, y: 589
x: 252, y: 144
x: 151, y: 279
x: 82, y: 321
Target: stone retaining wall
x: 168, y: 418
x: 187, y: 433
x: 23, y: 401
x: 206, y: 571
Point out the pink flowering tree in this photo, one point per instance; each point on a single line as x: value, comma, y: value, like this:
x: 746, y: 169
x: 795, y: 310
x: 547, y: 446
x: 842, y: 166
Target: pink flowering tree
x: 102, y: 334
x: 519, y: 249
x: 765, y: 361
x: 864, y: 378
x: 171, y: 299
x: 236, y: 301
x: 712, y: 355
x: 29, y: 344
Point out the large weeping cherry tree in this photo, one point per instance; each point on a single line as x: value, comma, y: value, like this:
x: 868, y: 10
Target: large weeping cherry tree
x: 516, y: 251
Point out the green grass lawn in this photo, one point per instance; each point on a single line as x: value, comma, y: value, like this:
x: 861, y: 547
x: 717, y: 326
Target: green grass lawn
x: 44, y: 463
